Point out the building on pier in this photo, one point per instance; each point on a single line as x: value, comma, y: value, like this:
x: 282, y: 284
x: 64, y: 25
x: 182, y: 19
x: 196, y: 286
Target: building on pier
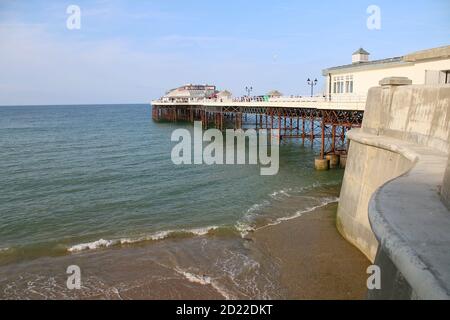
x: 430, y: 67
x: 225, y: 95
x: 274, y: 94
x: 190, y: 92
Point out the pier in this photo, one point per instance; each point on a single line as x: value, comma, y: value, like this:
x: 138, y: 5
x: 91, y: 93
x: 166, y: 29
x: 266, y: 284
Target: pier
x: 323, y: 119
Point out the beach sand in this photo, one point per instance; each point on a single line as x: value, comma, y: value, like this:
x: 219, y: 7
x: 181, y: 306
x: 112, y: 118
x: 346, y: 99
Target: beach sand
x: 303, y: 258
x: 315, y: 261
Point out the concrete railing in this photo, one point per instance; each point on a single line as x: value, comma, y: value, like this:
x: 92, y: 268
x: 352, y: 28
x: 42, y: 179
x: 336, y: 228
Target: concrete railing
x: 410, y: 223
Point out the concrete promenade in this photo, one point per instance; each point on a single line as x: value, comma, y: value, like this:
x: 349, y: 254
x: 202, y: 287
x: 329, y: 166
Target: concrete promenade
x: 394, y: 197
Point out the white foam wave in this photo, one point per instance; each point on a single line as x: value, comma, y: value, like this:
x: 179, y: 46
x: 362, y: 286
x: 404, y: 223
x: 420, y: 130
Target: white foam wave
x: 244, y: 226
x: 202, y: 231
x: 278, y: 195
x: 91, y: 245
x: 323, y: 203
x: 257, y: 206
x: 205, y: 281
x: 161, y: 235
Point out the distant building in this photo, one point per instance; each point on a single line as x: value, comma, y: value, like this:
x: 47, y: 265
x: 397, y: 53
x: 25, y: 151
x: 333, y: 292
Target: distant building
x: 274, y: 94
x: 430, y: 66
x: 224, y: 95
x: 190, y: 92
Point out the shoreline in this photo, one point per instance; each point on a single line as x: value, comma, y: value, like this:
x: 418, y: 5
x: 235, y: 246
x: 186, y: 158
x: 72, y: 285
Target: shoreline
x: 298, y: 258
x: 315, y: 261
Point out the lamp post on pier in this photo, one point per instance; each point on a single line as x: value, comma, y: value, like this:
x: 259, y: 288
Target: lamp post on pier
x: 312, y: 84
x: 249, y: 90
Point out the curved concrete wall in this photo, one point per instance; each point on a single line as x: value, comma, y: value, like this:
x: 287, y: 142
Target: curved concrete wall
x: 367, y: 169
x: 412, y: 225
x: 413, y: 114
x: 445, y: 189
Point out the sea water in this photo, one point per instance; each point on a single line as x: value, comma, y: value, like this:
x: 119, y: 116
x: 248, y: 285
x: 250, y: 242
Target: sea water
x: 95, y: 186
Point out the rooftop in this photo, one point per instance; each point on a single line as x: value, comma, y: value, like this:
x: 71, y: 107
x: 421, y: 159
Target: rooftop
x: 361, y: 65
x: 434, y: 53
x: 361, y: 51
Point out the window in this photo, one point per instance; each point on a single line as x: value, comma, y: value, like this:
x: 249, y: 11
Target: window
x: 436, y: 77
x: 338, y: 86
x: 343, y: 84
x: 349, y: 84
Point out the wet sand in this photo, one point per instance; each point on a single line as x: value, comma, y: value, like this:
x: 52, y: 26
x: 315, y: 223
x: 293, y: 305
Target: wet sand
x: 315, y: 261
x: 303, y: 258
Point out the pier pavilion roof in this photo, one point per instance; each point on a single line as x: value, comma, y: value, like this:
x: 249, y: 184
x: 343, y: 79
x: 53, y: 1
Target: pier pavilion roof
x: 191, y: 91
x: 274, y: 93
x: 224, y: 93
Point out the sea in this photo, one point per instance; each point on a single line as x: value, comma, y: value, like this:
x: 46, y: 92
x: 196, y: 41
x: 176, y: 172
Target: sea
x: 94, y: 186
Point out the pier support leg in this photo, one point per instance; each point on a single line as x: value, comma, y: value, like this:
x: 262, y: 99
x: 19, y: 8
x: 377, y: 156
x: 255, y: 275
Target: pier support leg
x: 303, y: 130
x: 322, y: 147
x: 322, y: 164
x: 333, y: 139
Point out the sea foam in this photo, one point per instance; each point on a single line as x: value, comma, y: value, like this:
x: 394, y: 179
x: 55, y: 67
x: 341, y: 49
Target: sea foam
x: 244, y: 226
x: 324, y: 203
x: 161, y: 235
x: 205, y: 281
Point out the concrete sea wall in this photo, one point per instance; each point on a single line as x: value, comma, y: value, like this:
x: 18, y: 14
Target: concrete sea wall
x: 446, y: 186
x: 394, y: 194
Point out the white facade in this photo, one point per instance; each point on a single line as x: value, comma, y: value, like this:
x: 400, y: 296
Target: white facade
x: 424, y: 67
x: 190, y: 92
x: 225, y: 95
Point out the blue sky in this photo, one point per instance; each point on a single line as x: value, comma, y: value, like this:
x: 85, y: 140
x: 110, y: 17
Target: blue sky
x: 133, y: 51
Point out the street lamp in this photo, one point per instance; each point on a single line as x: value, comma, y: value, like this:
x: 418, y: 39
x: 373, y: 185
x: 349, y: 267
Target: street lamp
x: 312, y: 84
x: 249, y: 90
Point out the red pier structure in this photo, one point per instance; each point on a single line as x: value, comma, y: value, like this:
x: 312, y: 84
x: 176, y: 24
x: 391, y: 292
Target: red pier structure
x: 309, y: 124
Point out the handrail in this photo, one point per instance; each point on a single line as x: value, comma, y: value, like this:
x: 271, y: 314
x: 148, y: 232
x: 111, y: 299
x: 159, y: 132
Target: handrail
x: 332, y: 98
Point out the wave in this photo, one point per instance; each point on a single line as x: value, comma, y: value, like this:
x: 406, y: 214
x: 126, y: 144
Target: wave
x: 91, y: 245
x: 244, y: 226
x: 280, y: 194
x: 324, y: 203
x: 205, y: 281
x: 161, y: 235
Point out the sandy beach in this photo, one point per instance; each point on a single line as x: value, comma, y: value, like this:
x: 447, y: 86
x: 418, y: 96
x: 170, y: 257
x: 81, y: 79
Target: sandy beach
x: 315, y: 261
x: 285, y: 258
x: 302, y: 258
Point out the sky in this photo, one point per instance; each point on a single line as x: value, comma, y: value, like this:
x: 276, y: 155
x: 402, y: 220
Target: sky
x: 134, y: 51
